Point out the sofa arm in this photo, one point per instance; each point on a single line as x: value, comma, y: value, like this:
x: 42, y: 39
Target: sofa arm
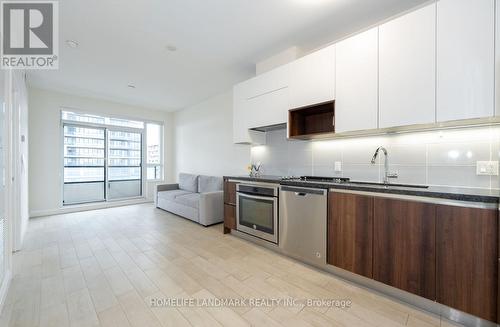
x: 211, y: 208
x: 166, y: 187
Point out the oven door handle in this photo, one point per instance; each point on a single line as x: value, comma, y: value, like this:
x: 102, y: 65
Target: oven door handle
x: 269, y: 198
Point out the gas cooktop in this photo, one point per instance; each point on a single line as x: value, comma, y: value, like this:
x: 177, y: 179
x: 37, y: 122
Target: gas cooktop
x: 316, y: 179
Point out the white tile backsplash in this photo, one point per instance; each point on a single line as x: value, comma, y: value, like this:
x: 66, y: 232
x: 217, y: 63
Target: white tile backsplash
x: 409, y: 174
x: 446, y: 157
x: 458, y: 154
x: 362, y: 172
x: 457, y: 176
x: 411, y: 155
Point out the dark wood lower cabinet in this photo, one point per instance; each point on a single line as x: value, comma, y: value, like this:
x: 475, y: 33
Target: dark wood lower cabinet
x: 404, y: 251
x: 230, y: 192
x: 350, y: 232
x: 229, y: 206
x: 467, y: 260
x: 448, y: 254
x: 229, y: 218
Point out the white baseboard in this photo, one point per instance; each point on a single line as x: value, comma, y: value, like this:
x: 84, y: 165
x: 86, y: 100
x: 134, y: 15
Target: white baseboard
x: 4, y: 288
x: 87, y: 207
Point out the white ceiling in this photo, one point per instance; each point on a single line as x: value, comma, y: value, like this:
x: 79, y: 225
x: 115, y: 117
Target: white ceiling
x: 218, y: 42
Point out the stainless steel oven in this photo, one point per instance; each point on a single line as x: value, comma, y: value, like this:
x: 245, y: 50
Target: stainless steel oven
x: 257, y: 210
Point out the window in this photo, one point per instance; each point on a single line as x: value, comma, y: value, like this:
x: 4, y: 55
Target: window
x: 93, y: 119
x: 84, y: 169
x: 124, y: 164
x: 154, y: 153
x: 104, y: 157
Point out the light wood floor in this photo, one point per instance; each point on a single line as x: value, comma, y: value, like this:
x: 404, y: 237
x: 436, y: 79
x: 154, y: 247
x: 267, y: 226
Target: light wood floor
x: 102, y: 268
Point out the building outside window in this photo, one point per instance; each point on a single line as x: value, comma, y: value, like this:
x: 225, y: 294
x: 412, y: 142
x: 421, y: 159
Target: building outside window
x: 104, y: 156
x: 154, y: 152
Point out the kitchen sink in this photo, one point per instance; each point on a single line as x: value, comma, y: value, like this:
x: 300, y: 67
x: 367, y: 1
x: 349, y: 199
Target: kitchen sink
x: 390, y: 185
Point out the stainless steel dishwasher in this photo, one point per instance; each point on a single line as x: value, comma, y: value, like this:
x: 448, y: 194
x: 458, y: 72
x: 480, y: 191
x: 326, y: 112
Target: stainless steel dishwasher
x: 302, y: 223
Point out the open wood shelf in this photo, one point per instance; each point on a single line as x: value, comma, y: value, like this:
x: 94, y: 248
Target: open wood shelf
x: 312, y: 121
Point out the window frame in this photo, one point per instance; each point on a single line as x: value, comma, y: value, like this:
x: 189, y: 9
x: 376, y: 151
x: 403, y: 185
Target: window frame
x: 62, y: 138
x: 161, y: 164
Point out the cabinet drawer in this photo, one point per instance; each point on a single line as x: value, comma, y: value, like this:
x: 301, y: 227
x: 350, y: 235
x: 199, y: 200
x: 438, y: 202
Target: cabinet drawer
x: 230, y: 192
x: 229, y: 216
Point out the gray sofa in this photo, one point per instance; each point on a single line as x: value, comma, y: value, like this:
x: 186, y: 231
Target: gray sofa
x: 196, y: 197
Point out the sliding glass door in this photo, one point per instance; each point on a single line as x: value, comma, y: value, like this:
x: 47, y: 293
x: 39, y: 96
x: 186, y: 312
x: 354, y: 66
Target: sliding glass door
x: 124, y: 164
x: 101, y: 164
x: 84, y: 164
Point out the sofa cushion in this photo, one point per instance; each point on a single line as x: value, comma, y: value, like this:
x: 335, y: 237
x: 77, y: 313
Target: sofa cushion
x: 209, y: 184
x: 188, y: 182
x: 171, y: 195
x: 179, y: 209
x: 191, y: 200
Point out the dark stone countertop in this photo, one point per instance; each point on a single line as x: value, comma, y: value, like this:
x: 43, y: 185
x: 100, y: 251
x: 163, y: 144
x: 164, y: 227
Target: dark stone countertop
x: 442, y: 192
x: 262, y: 179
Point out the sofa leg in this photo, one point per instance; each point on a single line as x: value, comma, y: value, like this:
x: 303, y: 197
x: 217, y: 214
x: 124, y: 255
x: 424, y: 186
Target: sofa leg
x: 227, y: 230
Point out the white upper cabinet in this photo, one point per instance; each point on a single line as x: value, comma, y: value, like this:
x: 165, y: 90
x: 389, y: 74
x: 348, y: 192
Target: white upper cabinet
x: 241, y: 118
x: 258, y: 102
x: 269, y: 109
x: 268, y: 97
x: 465, y: 59
x: 356, y: 101
x: 312, y: 78
x: 270, y: 81
x: 240, y: 128
x: 407, y: 69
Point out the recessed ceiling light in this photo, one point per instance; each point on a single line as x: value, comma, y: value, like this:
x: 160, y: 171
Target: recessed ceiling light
x: 72, y: 44
x: 131, y: 85
x: 171, y: 47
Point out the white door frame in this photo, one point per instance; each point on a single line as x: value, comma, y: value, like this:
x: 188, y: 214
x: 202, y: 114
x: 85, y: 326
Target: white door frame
x: 8, y: 194
x: 18, y: 161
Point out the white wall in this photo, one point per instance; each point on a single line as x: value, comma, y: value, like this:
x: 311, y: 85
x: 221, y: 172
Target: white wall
x: 204, y: 142
x: 45, y: 143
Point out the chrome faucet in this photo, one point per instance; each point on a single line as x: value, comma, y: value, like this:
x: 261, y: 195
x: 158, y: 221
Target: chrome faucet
x: 387, y: 174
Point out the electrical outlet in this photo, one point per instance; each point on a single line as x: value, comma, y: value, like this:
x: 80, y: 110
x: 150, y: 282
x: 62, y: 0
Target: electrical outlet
x: 487, y: 168
x: 338, y: 166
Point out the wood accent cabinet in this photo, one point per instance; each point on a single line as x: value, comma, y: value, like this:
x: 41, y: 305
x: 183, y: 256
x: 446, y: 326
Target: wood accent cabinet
x: 350, y: 232
x: 448, y: 254
x: 229, y: 206
x: 229, y: 216
x: 311, y: 122
x: 404, y: 245
x: 467, y: 260
x: 230, y: 192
